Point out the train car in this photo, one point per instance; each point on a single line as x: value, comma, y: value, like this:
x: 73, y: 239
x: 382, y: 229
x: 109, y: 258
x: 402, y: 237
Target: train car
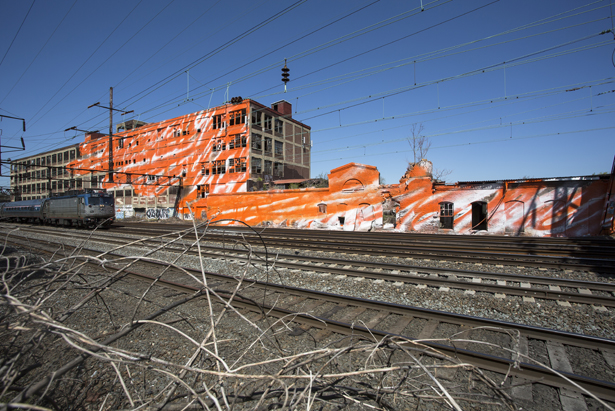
x: 84, y: 208
x: 22, y: 211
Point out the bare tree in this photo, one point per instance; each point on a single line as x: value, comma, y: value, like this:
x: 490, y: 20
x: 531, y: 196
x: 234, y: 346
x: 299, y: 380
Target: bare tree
x: 420, y: 145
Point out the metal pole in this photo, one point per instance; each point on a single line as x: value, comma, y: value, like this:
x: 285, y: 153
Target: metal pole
x: 111, y: 134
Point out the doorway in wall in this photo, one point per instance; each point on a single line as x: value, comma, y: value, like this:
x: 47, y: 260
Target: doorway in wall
x: 479, y: 215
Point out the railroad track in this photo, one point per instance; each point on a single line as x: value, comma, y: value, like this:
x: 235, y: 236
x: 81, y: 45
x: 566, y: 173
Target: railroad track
x: 321, y: 314
x: 500, y: 285
x: 484, y: 251
x: 592, y: 247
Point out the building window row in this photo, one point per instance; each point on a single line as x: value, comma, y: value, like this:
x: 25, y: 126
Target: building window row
x: 44, y: 161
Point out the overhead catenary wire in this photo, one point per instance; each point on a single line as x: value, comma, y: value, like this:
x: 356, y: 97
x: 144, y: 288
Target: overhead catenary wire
x: 336, y: 110
x: 17, y: 33
x: 539, y: 21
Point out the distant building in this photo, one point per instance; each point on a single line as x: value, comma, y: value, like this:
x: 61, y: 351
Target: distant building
x: 44, y: 174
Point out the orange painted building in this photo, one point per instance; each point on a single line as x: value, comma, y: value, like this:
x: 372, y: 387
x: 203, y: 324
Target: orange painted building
x: 219, y: 163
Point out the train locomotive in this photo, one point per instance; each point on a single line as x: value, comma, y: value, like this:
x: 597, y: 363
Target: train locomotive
x: 85, y: 208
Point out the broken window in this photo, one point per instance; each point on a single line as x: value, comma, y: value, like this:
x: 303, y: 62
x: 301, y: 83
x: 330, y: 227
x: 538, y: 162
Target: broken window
x: 256, y: 165
x: 446, y: 215
x: 256, y: 118
x: 240, y: 165
x: 219, y: 166
x: 231, y: 165
x: 202, y: 190
x: 279, y: 149
x: 268, y: 145
x: 278, y: 126
x: 268, y: 167
x: 237, y: 117
x: 218, y: 121
x: 267, y: 122
x: 257, y: 142
x: 278, y: 169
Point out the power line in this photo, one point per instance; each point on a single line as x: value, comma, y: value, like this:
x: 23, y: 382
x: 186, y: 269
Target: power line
x: 18, y: 30
x: 39, y: 52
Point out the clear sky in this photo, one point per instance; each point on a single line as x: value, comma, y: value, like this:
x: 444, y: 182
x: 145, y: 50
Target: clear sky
x: 504, y: 89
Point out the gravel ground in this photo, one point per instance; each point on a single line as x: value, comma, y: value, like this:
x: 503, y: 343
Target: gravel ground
x: 579, y: 318
x: 96, y: 385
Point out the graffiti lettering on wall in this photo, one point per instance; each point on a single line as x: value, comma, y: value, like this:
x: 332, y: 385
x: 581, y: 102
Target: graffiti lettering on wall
x: 159, y: 213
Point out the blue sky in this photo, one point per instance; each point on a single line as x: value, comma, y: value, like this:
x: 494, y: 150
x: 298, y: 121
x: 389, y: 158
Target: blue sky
x: 504, y: 89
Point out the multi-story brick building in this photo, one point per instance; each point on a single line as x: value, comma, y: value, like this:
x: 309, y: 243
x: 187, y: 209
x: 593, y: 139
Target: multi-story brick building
x: 44, y: 174
x: 237, y: 147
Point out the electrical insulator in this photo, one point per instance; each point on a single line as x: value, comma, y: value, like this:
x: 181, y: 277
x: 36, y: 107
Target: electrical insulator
x: 285, y: 78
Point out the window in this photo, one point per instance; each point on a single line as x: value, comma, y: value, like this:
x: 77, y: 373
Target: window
x: 279, y: 149
x: 66, y: 156
x: 240, y: 165
x: 94, y: 181
x: 268, y: 119
x: 237, y: 117
x: 120, y: 143
x: 322, y: 208
x: 53, y: 159
x: 72, y: 154
x: 268, y: 167
x: 257, y: 142
x: 268, y: 145
x: 218, y: 145
x: 219, y: 167
x: 38, y: 161
x: 231, y: 165
x: 218, y: 121
x: 278, y: 169
x: 48, y: 160
x: 278, y: 126
x: 239, y: 140
x: 79, y: 183
x: 205, y: 168
x: 446, y: 215
x: 256, y: 165
x: 202, y: 190
x: 256, y: 118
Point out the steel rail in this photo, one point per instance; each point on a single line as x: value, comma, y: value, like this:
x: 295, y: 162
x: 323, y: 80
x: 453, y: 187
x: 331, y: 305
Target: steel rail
x: 600, y: 388
x: 308, y: 265
x: 467, y: 255
x: 605, y: 247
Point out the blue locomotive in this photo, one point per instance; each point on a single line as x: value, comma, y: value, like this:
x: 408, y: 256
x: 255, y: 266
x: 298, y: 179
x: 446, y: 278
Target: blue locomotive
x: 83, y: 208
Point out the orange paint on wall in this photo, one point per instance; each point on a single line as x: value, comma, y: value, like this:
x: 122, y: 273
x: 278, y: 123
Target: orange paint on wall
x: 188, y: 151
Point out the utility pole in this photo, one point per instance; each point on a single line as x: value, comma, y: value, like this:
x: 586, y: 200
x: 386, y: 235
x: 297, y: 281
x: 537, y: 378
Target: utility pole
x: 110, y: 129
x: 111, y: 134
